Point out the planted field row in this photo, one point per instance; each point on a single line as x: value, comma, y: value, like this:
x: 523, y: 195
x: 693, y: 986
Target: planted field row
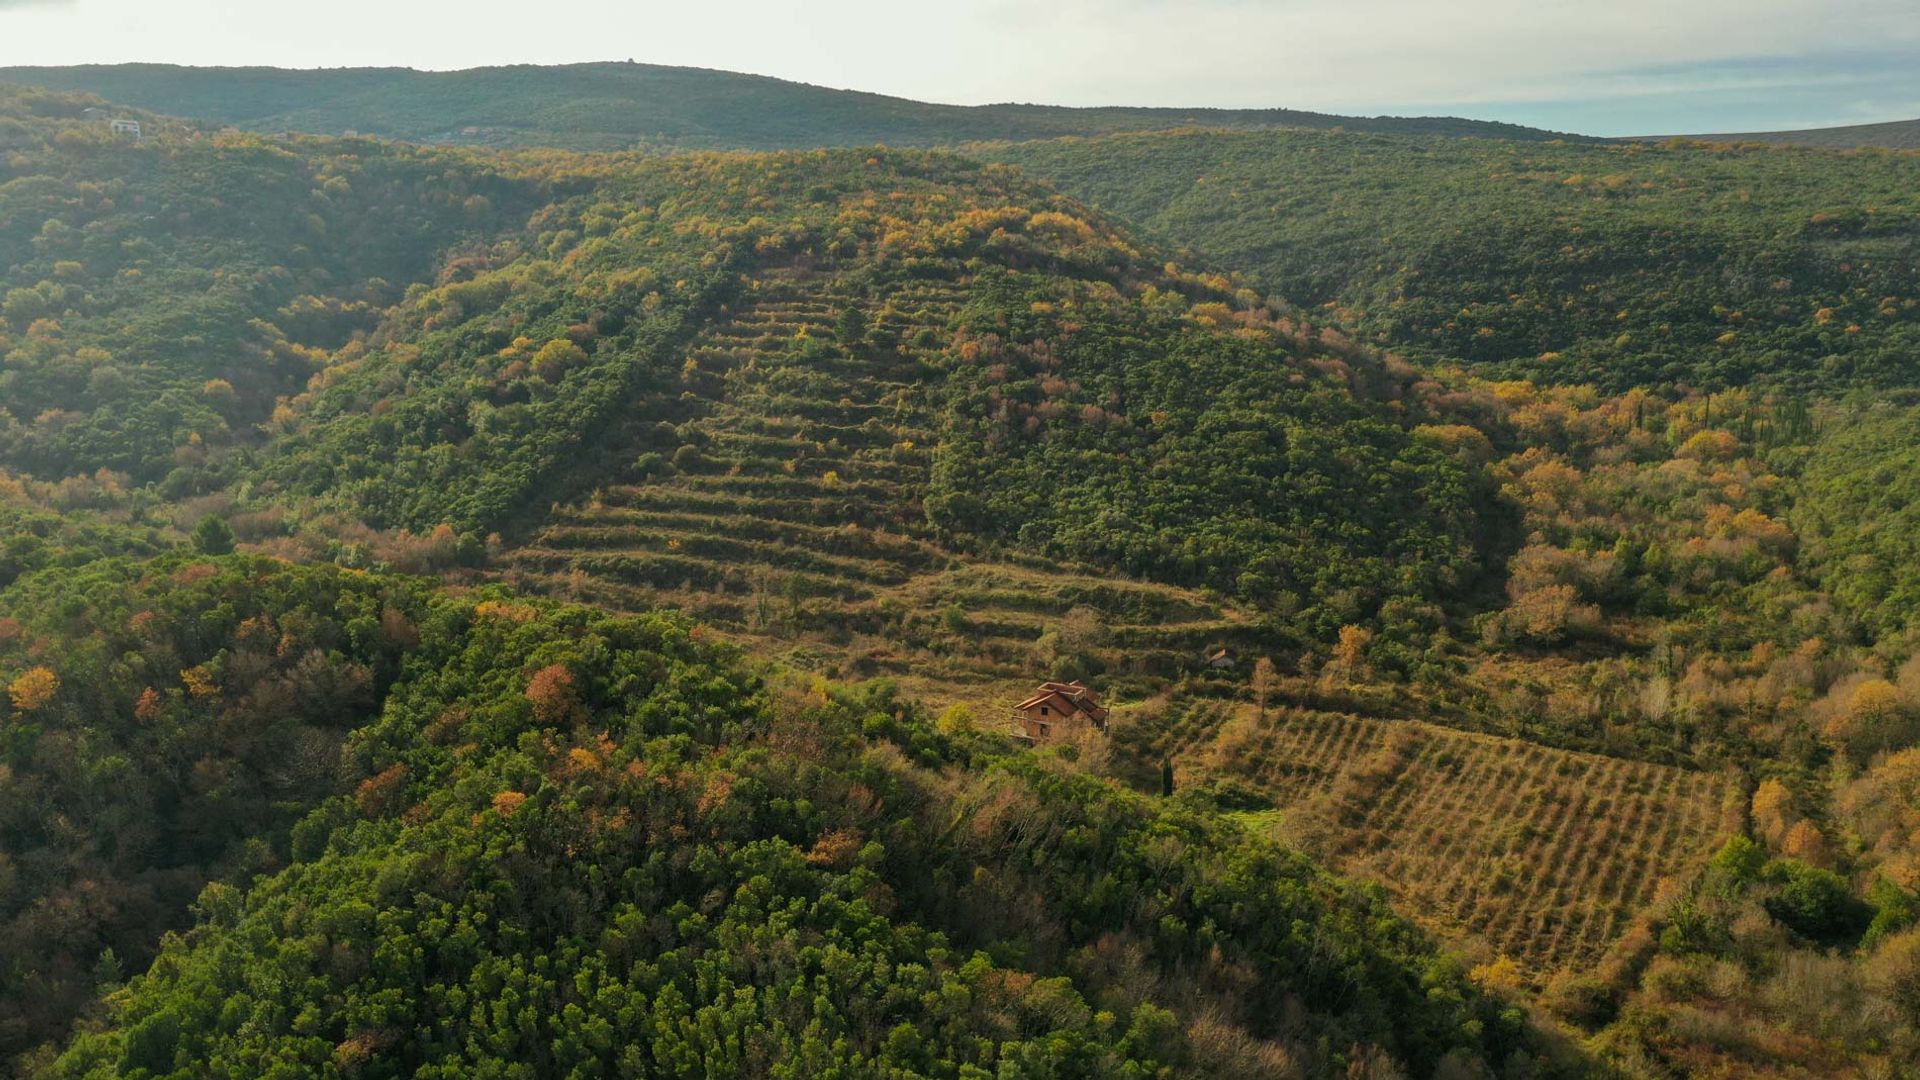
x: 1544, y: 854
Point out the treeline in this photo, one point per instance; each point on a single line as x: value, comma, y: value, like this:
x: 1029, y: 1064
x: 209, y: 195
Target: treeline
x: 614, y: 106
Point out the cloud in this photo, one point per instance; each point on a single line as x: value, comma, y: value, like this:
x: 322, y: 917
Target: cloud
x: 9, y: 5
x: 1757, y: 93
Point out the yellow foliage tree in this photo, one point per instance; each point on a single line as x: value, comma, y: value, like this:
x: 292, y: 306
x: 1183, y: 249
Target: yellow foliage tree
x: 34, y: 689
x: 200, y: 682
x: 1502, y: 976
x: 956, y: 720
x: 1773, y: 812
x: 1352, y: 648
x: 1264, y: 678
x: 1893, y: 973
x: 1873, y: 718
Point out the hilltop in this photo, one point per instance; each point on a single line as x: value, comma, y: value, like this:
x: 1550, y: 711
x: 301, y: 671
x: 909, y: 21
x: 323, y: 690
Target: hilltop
x: 614, y: 106
x: 1893, y: 135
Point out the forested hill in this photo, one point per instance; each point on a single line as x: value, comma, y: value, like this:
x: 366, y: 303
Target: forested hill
x: 1621, y: 266
x: 610, y: 106
x: 343, y: 483
x: 498, y: 838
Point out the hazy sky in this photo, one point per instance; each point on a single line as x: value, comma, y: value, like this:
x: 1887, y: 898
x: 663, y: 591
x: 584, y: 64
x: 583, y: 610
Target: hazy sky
x: 1597, y: 66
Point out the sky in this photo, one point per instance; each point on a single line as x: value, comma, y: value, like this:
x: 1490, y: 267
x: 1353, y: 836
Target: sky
x: 1602, y: 67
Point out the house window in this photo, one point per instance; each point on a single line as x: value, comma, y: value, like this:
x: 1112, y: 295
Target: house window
x: 1044, y: 711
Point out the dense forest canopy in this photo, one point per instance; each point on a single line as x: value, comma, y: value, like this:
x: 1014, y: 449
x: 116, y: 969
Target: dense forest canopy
x: 158, y: 297
x: 1618, y: 266
x: 1860, y: 511
x: 505, y: 834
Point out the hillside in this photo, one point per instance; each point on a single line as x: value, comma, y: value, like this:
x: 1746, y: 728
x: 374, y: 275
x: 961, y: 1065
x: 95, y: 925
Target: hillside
x: 1619, y: 266
x: 498, y: 834
x: 1597, y: 699
x: 1895, y: 135
x: 988, y: 342
x: 129, y: 333
x: 763, y: 339
x: 614, y: 106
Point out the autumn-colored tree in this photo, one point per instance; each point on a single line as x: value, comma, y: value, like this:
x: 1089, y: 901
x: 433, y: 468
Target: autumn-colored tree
x: 219, y: 392
x: 383, y: 792
x: 1082, y: 629
x: 32, y: 690
x: 1773, y: 811
x: 1351, y: 651
x: 1805, y: 841
x: 1502, y: 975
x: 1873, y: 717
x: 836, y: 849
x: 149, y: 705
x: 1549, y: 613
x: 1263, y: 679
x: 956, y: 720
x: 556, y: 358
x: 551, y: 691
x: 201, y: 681
x: 504, y: 611
x: 1893, y: 972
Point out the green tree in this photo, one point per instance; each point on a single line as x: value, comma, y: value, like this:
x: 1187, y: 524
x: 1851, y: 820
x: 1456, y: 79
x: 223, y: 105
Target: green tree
x: 213, y: 536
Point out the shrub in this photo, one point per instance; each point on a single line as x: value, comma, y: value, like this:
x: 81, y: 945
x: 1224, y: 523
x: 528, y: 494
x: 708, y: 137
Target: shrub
x: 1814, y: 903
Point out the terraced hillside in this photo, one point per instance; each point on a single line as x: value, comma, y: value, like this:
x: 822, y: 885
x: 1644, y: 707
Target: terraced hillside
x: 892, y: 412
x: 788, y: 511
x: 1545, y: 855
x: 777, y: 493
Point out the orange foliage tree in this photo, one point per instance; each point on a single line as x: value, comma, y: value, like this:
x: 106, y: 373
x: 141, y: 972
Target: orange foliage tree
x: 551, y: 691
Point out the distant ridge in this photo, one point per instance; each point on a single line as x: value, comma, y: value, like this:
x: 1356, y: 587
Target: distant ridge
x: 1894, y: 135
x: 610, y: 106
